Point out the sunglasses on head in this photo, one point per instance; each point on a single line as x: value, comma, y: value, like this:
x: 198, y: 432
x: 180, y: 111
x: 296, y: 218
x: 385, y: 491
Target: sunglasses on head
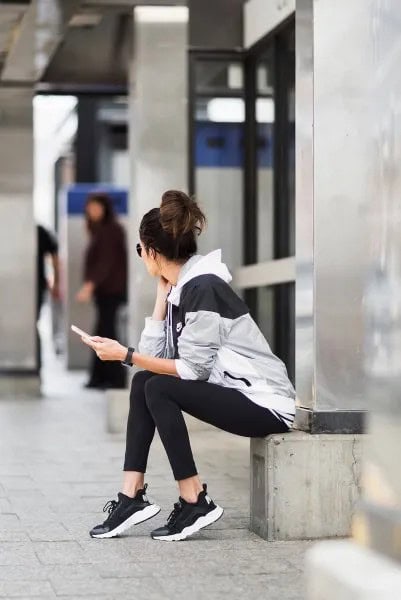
x: 139, y: 250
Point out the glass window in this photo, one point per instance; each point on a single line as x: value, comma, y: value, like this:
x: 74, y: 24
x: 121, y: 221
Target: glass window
x: 275, y: 315
x: 216, y: 75
x: 264, y: 115
x: 291, y: 140
x: 218, y: 153
x: 271, y: 218
x: 266, y: 314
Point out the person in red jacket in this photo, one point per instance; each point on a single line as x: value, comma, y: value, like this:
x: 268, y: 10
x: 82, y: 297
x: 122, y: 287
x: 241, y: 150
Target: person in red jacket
x: 105, y: 281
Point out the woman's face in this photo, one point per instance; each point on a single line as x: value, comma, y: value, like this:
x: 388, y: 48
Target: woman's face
x: 152, y: 262
x: 95, y: 211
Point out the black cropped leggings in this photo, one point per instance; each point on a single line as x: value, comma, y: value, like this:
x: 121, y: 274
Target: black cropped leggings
x: 157, y: 401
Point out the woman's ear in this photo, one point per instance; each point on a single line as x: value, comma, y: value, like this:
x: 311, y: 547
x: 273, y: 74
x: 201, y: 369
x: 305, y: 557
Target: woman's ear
x: 158, y: 260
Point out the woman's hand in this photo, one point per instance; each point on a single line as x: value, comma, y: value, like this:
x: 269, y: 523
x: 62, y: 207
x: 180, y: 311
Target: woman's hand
x: 163, y: 288
x: 85, y: 293
x: 54, y: 290
x: 105, y: 348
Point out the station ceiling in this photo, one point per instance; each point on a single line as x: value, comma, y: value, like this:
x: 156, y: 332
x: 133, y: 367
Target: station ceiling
x: 67, y: 45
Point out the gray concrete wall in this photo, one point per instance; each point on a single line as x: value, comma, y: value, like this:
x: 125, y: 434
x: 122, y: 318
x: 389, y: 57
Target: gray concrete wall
x: 158, y: 135
x: 17, y: 234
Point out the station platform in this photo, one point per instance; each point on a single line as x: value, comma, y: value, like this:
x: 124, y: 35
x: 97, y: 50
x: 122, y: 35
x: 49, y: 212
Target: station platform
x: 58, y: 467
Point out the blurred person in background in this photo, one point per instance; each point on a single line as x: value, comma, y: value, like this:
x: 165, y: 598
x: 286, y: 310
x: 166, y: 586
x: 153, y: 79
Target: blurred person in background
x: 105, y: 282
x: 47, y: 249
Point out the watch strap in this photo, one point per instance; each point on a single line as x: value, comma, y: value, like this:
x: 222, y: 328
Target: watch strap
x: 128, y: 359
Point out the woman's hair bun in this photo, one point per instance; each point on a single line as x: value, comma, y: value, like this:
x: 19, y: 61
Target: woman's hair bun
x: 180, y: 214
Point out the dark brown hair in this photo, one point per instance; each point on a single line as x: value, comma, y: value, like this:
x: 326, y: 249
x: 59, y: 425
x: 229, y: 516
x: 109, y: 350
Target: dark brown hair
x: 172, y: 229
x: 107, y: 203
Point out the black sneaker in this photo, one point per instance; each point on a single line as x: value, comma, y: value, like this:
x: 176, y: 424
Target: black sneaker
x: 125, y: 513
x: 187, y: 518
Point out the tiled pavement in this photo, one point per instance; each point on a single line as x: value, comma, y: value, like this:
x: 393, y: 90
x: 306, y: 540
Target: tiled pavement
x: 58, y: 467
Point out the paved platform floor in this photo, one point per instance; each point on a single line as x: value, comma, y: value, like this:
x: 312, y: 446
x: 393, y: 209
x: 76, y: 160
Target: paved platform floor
x: 58, y: 467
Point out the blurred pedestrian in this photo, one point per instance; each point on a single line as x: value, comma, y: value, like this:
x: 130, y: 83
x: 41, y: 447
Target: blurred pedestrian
x: 47, y: 248
x: 105, y: 282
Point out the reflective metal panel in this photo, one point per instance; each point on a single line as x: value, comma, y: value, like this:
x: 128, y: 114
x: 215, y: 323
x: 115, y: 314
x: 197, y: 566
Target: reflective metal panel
x: 304, y: 341
x: 348, y: 184
x: 344, y: 171
x: 340, y: 162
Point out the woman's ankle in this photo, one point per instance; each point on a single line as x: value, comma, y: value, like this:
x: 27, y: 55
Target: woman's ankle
x: 190, y: 498
x: 190, y: 489
x: 132, y: 484
x: 130, y: 492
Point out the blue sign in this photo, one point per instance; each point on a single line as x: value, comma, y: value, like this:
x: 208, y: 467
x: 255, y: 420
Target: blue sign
x: 77, y: 196
x: 221, y: 145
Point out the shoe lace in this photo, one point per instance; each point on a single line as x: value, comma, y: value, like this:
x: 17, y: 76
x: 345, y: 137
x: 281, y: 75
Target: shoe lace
x: 174, y: 513
x: 110, y: 507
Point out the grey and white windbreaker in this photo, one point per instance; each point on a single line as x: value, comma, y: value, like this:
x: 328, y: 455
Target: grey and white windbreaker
x: 212, y: 337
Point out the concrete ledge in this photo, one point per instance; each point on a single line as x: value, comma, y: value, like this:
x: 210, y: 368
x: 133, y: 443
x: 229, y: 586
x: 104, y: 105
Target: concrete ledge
x: 15, y: 386
x: 342, y: 570
x: 304, y: 486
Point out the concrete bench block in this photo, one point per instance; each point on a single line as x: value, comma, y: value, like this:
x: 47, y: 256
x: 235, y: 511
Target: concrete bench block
x: 342, y: 570
x: 23, y: 386
x: 304, y: 486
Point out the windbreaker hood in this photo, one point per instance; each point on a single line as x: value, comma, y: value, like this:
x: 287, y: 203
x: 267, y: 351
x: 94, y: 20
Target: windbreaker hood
x: 210, y: 264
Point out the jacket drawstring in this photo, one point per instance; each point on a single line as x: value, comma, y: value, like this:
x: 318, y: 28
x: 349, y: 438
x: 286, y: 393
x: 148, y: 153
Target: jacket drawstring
x: 170, y: 338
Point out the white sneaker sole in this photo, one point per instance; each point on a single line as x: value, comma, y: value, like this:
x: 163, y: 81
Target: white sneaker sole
x: 201, y: 523
x: 138, y: 517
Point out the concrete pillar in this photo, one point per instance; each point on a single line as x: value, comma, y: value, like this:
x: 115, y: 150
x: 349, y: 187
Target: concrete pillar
x: 18, y: 363
x: 158, y: 132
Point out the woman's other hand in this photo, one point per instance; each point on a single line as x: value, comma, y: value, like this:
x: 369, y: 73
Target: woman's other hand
x: 105, y: 348
x: 85, y: 293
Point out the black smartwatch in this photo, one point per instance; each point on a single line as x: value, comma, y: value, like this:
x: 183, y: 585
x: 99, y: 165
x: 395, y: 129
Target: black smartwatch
x: 128, y: 359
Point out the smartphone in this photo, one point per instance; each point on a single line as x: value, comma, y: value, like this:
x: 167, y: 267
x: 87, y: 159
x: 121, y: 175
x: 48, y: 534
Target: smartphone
x: 80, y: 332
